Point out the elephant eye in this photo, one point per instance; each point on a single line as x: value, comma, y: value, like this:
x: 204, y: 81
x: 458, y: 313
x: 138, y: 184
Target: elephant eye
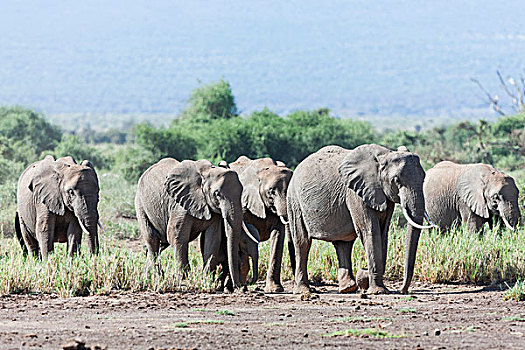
x: 217, y: 193
x: 70, y: 192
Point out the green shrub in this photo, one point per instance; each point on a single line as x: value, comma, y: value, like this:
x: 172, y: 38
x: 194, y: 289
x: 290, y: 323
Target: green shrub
x: 73, y: 145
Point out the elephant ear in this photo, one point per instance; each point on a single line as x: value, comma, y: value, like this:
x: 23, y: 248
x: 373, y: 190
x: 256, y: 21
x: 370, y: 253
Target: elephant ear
x: 359, y: 171
x: 470, y: 187
x: 251, y: 198
x: 184, y: 184
x: 46, y: 185
x: 88, y: 163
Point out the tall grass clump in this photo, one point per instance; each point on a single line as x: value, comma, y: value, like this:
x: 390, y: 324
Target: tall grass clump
x: 113, y: 269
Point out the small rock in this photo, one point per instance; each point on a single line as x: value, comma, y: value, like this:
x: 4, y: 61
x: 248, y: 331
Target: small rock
x: 437, y: 331
x: 244, y: 330
x: 305, y: 335
x: 425, y: 333
x: 30, y: 336
x: 74, y: 345
x: 357, y: 308
x: 363, y: 296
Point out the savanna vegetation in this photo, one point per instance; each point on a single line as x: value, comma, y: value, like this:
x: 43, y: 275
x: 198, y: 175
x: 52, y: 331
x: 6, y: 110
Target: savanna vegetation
x: 211, y: 127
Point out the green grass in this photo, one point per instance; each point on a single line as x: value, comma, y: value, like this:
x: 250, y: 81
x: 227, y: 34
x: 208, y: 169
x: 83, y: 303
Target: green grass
x: 453, y: 257
x: 360, y: 319
x: 408, y: 310
x: 225, y: 313
x: 366, y: 332
x: 195, y: 322
x: 514, y: 318
x: 517, y: 292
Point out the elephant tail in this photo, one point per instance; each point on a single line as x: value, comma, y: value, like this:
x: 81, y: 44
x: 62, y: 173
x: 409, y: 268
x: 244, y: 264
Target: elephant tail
x: 19, y: 234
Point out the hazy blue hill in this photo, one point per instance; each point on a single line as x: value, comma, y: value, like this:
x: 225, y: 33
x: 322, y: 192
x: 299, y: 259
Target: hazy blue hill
x: 358, y: 58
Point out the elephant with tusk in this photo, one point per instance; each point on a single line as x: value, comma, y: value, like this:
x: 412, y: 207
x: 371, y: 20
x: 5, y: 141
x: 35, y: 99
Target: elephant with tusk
x: 337, y: 195
x: 265, y: 182
x: 57, y: 202
x: 471, y: 193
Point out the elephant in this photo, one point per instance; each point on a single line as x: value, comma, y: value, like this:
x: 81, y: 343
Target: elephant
x: 57, y: 201
x: 470, y: 193
x: 176, y: 201
x: 265, y: 182
x: 248, y: 249
x: 337, y: 195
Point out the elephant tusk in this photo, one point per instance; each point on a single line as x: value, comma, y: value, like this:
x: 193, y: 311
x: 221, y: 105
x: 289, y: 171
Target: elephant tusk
x: 411, y: 222
x: 430, y: 221
x: 248, y: 233
x: 284, y: 221
x: 507, y: 223
x: 83, y: 227
x: 101, y: 227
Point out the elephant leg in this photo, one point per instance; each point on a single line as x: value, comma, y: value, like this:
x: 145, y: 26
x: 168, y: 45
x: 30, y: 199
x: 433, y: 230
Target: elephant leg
x: 384, y: 231
x: 30, y: 242
x: 473, y: 221
x: 45, y: 229
x: 369, y: 230
x: 302, y: 246
x: 273, y: 276
x: 345, y: 275
x: 245, y: 268
x: 291, y: 248
x: 74, y: 237
x: 178, y: 232
x: 152, y: 240
x: 210, y: 244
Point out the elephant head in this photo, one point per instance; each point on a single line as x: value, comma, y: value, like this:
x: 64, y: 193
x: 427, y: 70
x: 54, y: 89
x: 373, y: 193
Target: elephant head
x: 489, y: 191
x: 202, y: 189
x: 65, y: 185
x: 265, y: 183
x: 378, y: 175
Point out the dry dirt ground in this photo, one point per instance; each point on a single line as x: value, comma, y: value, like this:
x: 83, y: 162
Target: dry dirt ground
x: 433, y: 317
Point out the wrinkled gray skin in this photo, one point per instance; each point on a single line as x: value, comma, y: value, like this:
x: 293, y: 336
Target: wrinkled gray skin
x: 55, y: 199
x: 265, y: 183
x: 337, y: 195
x: 247, y: 249
x: 176, y: 201
x: 471, y: 193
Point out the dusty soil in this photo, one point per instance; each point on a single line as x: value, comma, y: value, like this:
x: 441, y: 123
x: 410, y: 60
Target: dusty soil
x: 435, y: 317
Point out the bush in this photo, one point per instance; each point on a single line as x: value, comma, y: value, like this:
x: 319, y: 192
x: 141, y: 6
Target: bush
x: 28, y: 132
x: 72, y: 145
x: 212, y: 101
x: 132, y: 160
x: 166, y: 142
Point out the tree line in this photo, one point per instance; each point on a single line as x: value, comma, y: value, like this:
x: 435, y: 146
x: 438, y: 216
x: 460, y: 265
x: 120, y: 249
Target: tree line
x: 210, y: 127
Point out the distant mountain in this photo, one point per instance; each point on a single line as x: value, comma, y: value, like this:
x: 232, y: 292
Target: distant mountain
x: 359, y: 58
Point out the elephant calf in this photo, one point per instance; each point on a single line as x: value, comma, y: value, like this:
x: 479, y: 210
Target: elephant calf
x: 470, y: 193
x: 57, y: 201
x: 249, y: 249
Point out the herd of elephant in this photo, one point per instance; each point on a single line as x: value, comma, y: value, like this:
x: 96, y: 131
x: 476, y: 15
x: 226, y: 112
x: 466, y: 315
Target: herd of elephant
x: 335, y: 195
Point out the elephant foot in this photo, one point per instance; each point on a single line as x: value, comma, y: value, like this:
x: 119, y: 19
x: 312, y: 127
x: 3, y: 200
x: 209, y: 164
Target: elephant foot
x: 362, y: 279
x: 301, y: 289
x: 348, y: 287
x: 273, y: 287
x: 377, y: 290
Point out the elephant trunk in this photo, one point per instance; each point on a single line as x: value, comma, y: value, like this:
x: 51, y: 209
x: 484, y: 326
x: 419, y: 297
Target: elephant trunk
x: 510, y: 214
x: 413, y: 203
x: 88, y: 220
x: 232, y: 215
x: 280, y: 207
